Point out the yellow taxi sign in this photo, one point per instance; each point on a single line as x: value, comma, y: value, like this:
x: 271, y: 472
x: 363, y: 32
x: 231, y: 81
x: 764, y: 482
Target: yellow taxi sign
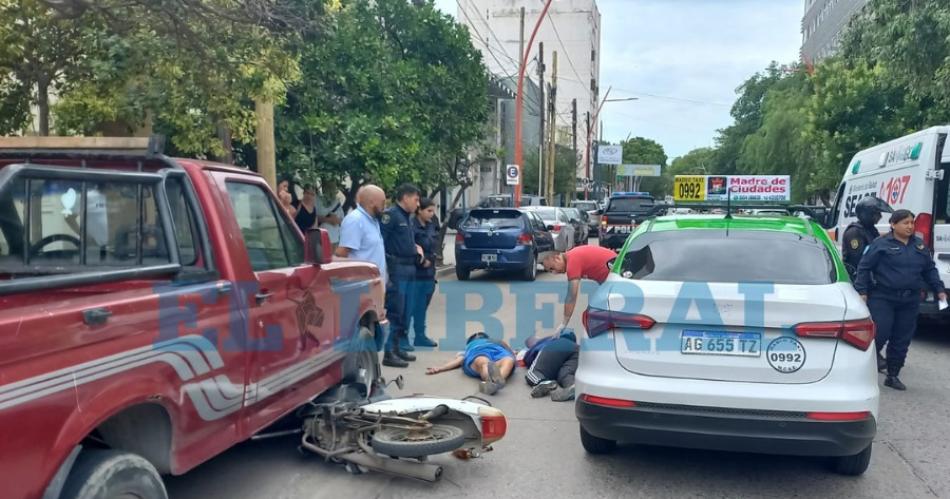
x: 689, y: 188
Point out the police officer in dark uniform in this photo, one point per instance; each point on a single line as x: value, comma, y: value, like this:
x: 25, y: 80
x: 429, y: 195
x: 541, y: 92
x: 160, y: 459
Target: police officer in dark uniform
x: 402, y: 254
x: 861, y: 233
x: 890, y: 277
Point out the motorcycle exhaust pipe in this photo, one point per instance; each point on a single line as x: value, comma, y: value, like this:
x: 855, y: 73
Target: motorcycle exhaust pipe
x: 412, y: 469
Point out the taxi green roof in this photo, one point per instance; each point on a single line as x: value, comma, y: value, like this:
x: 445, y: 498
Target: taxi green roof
x: 737, y: 222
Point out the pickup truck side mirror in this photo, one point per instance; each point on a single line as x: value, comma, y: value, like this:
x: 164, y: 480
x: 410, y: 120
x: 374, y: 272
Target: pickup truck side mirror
x: 317, y: 247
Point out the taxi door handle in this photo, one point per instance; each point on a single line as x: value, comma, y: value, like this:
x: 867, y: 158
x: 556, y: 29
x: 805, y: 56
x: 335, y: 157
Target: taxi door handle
x: 262, y: 297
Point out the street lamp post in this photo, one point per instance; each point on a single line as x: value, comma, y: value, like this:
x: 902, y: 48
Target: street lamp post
x: 590, y: 129
x: 519, y: 100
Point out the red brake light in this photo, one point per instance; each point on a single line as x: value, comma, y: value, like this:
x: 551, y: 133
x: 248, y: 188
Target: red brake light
x: 923, y: 228
x: 859, y: 334
x: 838, y: 416
x: 597, y: 321
x: 493, y: 428
x: 556, y: 228
x: 525, y: 239
x: 607, y: 402
x: 604, y: 220
x: 459, y: 238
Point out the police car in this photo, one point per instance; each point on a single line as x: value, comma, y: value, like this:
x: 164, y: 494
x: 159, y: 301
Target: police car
x: 909, y: 173
x: 623, y: 212
x: 735, y: 333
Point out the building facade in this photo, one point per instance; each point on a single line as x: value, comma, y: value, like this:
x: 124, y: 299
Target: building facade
x: 572, y: 28
x: 823, y: 25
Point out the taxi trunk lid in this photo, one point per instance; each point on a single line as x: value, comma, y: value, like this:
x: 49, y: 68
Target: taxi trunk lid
x: 728, y: 331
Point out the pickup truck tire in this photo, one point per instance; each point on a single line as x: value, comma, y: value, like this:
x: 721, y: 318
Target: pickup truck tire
x: 401, y: 442
x: 106, y: 473
x: 362, y: 361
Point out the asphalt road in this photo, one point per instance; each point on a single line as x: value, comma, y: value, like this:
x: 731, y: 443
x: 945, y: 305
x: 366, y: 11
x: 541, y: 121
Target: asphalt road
x: 542, y: 456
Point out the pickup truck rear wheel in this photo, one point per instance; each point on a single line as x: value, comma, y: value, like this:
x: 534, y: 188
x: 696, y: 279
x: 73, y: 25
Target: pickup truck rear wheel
x: 108, y: 474
x: 362, y: 361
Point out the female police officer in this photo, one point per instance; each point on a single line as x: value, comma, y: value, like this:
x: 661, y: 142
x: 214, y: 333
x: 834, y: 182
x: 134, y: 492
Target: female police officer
x: 890, y: 277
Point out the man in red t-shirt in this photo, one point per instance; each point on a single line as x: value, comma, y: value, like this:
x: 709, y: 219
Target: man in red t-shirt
x: 582, y: 262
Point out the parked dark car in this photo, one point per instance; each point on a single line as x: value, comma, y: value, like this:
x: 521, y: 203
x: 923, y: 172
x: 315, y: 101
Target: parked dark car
x: 580, y: 221
x: 592, y: 208
x: 501, y: 239
x: 494, y: 201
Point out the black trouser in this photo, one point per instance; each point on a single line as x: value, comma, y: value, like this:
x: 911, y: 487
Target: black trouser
x: 397, y: 302
x: 556, y: 361
x: 896, y: 320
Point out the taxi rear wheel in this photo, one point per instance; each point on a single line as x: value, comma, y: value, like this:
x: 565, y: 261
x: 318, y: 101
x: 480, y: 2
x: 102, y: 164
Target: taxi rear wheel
x: 597, y: 445
x: 853, y: 465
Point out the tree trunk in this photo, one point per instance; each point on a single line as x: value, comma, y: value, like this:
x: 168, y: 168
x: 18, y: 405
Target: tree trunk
x: 445, y: 223
x: 224, y: 135
x: 266, y: 153
x: 42, y: 102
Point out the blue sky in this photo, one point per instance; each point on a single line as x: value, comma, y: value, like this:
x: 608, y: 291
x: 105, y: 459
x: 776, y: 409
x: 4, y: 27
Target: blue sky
x: 684, y: 60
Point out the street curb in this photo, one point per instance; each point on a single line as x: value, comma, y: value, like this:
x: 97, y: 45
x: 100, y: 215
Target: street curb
x: 443, y: 271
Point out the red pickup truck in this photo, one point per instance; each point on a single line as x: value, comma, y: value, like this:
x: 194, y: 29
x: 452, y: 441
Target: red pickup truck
x: 155, y: 312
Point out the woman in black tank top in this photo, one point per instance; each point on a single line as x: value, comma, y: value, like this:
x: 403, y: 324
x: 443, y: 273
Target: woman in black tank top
x: 306, y: 217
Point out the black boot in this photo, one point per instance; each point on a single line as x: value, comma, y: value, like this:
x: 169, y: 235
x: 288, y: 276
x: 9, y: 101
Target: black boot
x: 405, y: 356
x: 892, y: 380
x: 881, y: 363
x: 390, y: 359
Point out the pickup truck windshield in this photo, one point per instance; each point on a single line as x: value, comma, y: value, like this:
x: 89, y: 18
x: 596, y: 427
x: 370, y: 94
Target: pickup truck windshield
x: 630, y: 204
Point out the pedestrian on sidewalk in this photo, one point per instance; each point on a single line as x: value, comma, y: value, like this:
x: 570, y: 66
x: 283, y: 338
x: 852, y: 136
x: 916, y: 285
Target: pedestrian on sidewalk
x: 491, y: 361
x: 890, y: 277
x: 402, y: 256
x: 360, y: 235
x: 287, y: 195
x: 306, y: 217
x: 330, y: 210
x: 425, y: 229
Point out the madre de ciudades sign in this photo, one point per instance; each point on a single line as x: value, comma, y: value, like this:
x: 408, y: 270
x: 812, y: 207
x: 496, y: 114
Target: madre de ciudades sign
x: 734, y: 187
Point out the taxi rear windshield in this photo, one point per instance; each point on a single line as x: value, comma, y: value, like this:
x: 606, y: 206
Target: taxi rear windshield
x: 630, y: 204
x: 728, y: 256
x: 495, y: 219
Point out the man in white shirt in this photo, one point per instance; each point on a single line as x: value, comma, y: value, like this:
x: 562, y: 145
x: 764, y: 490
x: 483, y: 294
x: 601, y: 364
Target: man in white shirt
x: 330, y: 210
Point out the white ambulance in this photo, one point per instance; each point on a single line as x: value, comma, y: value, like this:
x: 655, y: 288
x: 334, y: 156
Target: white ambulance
x: 909, y: 173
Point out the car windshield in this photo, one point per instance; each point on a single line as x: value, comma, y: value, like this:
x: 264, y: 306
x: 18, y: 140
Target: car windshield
x: 588, y: 206
x: 630, y: 204
x: 494, y: 219
x: 547, y: 214
x: 708, y: 255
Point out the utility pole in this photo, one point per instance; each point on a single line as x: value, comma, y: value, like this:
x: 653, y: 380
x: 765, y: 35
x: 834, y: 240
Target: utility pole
x: 587, y: 189
x: 553, y: 126
x: 542, y: 104
x: 519, y: 99
x: 514, y: 189
x: 574, y: 138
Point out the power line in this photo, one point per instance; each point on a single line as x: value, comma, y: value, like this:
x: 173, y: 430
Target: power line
x: 500, y: 44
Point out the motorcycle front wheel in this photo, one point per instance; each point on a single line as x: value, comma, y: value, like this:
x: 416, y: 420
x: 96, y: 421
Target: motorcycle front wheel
x: 400, y: 442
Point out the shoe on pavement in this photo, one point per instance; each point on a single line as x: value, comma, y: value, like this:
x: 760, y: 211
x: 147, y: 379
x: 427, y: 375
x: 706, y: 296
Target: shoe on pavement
x: 391, y: 360
x: 881, y: 363
x: 425, y: 342
x: 494, y: 374
x: 406, y: 356
x: 563, y: 394
x: 489, y: 387
x: 543, y: 388
x: 895, y: 383
x: 405, y: 346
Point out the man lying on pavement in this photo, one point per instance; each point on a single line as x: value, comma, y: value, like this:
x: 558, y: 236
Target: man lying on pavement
x: 490, y: 360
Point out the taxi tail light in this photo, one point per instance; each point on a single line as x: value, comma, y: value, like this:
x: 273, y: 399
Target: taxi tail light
x: 597, y: 321
x: 525, y: 239
x: 839, y: 416
x: 923, y: 228
x: 859, y: 334
x: 607, y: 401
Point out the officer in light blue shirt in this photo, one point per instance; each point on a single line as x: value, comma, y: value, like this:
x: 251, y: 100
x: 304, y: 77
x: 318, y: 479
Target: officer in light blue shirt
x: 360, y: 237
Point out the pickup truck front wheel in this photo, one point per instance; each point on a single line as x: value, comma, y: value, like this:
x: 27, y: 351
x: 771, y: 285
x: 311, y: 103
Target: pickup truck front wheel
x: 106, y: 473
x: 361, y: 366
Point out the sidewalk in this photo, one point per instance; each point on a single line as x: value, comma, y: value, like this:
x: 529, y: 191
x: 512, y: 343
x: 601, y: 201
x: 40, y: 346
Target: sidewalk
x: 448, y: 255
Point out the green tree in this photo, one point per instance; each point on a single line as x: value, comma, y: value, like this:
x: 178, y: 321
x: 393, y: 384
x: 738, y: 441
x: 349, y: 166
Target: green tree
x: 747, y: 113
x: 643, y: 151
x: 391, y: 92
x: 565, y: 172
